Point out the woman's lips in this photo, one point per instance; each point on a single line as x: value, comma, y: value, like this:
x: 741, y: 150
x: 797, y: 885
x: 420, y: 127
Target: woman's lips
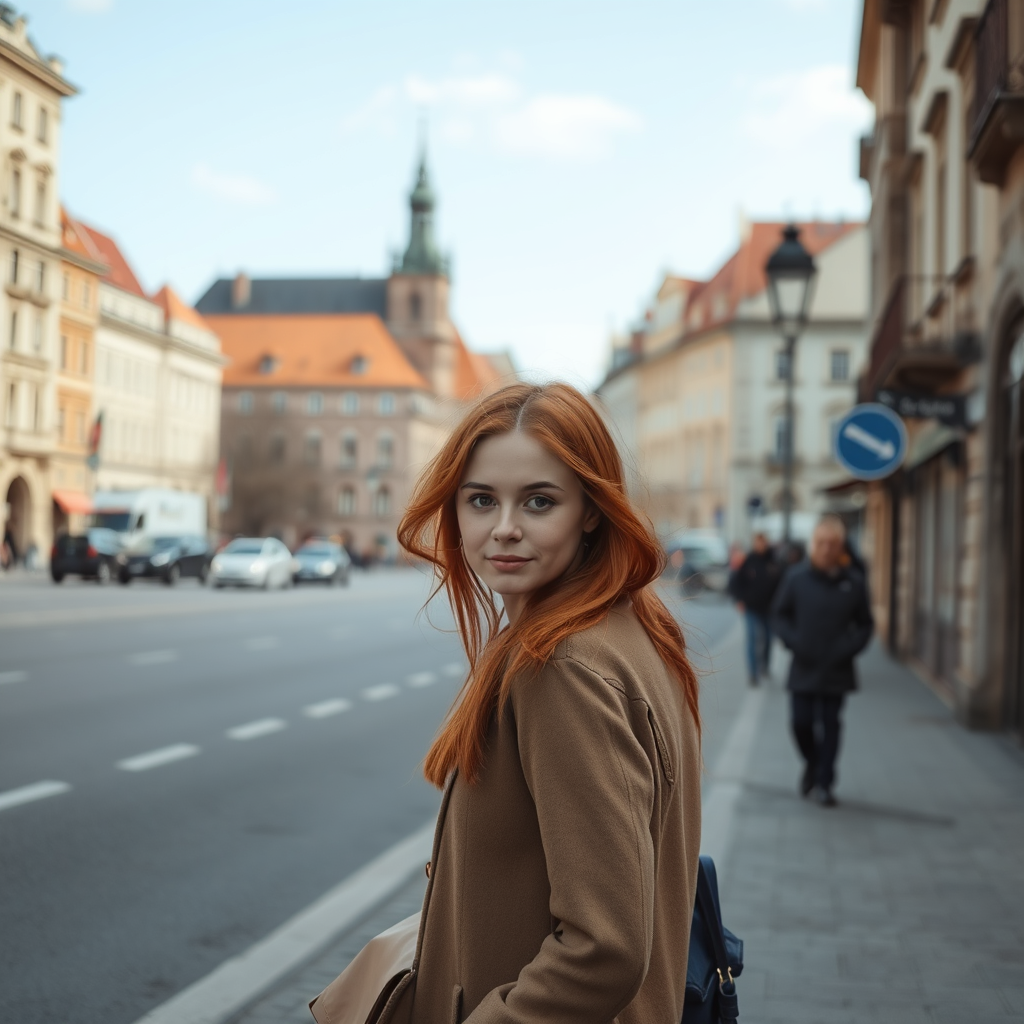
x: 507, y: 563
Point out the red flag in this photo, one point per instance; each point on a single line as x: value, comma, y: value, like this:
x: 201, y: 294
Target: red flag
x: 96, y: 434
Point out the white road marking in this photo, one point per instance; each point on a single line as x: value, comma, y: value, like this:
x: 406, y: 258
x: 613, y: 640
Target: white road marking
x: 326, y: 708
x: 262, y: 643
x: 418, y: 679
x: 14, y: 676
x: 158, y: 758
x: 153, y: 657
x: 454, y: 668
x: 253, y: 730
x: 382, y: 691
x: 36, y: 791
x: 883, y: 449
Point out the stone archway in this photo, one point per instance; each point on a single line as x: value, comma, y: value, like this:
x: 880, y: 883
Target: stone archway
x: 18, y: 505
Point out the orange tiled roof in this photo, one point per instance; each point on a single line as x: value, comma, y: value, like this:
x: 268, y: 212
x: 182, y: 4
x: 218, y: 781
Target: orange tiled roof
x: 175, y: 308
x: 475, y: 374
x: 742, y: 275
x: 312, y: 350
x: 76, y: 239
x: 120, y: 273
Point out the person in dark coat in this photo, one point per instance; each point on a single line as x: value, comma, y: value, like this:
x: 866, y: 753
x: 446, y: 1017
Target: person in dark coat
x: 753, y: 585
x: 822, y: 614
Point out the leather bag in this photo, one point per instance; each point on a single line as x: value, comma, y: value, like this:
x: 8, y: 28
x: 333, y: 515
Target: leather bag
x: 715, y: 959
x: 370, y: 989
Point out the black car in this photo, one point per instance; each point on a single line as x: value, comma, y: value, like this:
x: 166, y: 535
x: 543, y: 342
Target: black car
x: 92, y: 555
x: 167, y: 559
x: 323, y: 561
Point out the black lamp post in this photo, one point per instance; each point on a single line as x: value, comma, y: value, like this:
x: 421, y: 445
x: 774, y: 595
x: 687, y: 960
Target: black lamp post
x: 790, y: 271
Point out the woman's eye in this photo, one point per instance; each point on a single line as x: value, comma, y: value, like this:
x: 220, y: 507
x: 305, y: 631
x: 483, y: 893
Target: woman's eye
x: 481, y: 501
x: 539, y: 503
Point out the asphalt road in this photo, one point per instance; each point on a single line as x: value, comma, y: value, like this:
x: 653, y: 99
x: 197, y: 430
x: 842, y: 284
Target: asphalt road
x: 215, y: 762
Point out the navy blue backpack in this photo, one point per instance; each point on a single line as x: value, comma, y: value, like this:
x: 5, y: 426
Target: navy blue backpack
x: 716, y: 957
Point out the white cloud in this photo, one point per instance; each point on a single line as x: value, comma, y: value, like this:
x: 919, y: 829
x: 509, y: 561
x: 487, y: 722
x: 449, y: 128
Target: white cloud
x: 796, y: 106
x: 477, y: 91
x: 90, y: 6
x: 565, y: 127
x: 235, y: 188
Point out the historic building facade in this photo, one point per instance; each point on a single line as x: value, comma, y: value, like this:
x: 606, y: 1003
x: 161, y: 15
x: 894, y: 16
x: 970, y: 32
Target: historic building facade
x: 338, y: 391
x: 31, y: 90
x: 945, y: 164
x: 704, y: 382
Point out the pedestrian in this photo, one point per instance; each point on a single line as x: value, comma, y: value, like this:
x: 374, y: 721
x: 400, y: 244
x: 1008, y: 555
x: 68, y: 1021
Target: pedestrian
x: 565, y: 857
x: 752, y: 586
x: 11, y: 547
x: 822, y: 614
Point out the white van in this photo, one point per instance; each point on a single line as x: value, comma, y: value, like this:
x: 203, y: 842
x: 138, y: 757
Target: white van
x: 150, y: 512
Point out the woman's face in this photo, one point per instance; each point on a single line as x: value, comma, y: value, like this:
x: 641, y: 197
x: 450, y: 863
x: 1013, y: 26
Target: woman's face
x: 522, y: 515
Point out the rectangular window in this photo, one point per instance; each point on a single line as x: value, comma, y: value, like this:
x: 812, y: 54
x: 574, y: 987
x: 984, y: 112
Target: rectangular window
x: 80, y: 427
x: 63, y: 351
x: 14, y: 266
x: 279, y: 402
x: 347, y: 501
x: 15, y: 193
x: 277, y: 449
x: 65, y: 286
x: 16, y: 111
x: 43, y: 126
x: 12, y: 404
x: 350, y: 403
x: 386, y: 403
x: 311, y: 450
x: 86, y: 294
x: 780, y: 435
x: 782, y: 365
x: 245, y: 402
x: 37, y: 334
x: 14, y: 331
x: 840, y: 365
x: 40, y: 203
x: 41, y: 278
x: 83, y: 358
x: 315, y: 403
x: 349, y: 451
x: 385, y: 451
x: 60, y: 422
x: 37, y: 411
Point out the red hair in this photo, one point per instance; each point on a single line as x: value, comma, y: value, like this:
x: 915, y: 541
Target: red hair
x: 624, y: 559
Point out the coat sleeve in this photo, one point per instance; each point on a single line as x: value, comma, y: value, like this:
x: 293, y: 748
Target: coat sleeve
x: 783, y: 616
x: 593, y: 787
x: 857, y: 635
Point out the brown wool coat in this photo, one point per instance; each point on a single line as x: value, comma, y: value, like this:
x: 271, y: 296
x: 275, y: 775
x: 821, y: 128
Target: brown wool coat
x: 562, y: 882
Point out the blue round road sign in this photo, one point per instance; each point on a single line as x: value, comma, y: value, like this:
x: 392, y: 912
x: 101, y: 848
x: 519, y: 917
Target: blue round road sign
x: 870, y: 441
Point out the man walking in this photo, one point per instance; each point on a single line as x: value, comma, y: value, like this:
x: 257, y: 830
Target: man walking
x: 753, y: 586
x: 822, y: 614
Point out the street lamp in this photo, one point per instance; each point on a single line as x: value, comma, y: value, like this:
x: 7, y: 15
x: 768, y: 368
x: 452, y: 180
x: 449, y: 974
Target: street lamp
x: 790, y: 271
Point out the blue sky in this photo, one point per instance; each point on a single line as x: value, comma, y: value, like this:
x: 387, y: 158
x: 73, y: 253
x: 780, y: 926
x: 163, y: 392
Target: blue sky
x: 578, y: 149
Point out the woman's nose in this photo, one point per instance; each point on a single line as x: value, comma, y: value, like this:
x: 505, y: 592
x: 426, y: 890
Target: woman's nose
x: 507, y: 526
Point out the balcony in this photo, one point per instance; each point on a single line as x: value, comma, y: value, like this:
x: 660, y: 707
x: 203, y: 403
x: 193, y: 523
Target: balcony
x: 925, y: 338
x: 997, y: 128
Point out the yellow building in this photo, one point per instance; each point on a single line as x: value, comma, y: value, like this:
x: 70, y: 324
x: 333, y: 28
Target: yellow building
x: 81, y: 268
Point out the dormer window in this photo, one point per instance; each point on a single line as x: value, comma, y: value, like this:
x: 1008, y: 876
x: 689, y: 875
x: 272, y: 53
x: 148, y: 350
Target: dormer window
x: 268, y: 364
x: 359, y: 365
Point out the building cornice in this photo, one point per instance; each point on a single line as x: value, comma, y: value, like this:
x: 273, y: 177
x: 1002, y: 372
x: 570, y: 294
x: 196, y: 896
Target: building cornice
x: 38, y: 69
x: 164, y: 341
x: 83, y: 262
x: 24, y: 240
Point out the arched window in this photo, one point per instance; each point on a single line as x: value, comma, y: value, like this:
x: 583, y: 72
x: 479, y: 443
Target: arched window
x: 415, y: 306
x: 385, y: 451
x: 349, y: 450
x: 382, y: 502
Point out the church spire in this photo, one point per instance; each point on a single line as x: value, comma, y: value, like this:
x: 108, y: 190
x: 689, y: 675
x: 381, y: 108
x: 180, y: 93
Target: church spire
x: 422, y: 255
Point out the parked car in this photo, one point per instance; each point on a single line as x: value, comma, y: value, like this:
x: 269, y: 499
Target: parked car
x: 699, y: 559
x: 92, y: 555
x: 165, y: 558
x: 252, y: 562
x: 322, y: 561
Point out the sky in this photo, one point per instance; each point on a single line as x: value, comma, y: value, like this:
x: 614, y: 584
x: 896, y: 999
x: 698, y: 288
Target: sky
x: 579, y: 150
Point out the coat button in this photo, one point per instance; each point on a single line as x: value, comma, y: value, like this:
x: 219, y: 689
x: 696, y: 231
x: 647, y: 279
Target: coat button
x: 427, y: 869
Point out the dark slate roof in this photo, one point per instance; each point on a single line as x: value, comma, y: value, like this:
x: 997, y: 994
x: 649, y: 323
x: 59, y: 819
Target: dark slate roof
x: 300, y: 295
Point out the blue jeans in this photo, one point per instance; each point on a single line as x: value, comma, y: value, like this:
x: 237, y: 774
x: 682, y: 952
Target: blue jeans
x: 759, y: 643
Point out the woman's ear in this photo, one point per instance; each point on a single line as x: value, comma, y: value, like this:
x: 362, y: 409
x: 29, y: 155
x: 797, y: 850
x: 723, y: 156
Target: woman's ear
x: 592, y: 518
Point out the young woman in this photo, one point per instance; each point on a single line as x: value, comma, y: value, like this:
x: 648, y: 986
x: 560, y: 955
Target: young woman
x: 565, y: 859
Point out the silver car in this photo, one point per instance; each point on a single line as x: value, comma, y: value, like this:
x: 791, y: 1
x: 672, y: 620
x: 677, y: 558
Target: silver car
x: 252, y: 562
x: 321, y: 561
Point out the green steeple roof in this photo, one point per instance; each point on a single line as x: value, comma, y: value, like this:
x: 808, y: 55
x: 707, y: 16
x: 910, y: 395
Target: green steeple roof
x: 422, y: 256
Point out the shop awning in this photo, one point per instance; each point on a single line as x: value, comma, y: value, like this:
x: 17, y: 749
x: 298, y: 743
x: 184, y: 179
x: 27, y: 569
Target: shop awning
x: 73, y: 502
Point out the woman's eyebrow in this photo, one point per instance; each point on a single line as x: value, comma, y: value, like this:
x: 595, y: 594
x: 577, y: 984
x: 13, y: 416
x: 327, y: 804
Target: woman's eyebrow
x: 539, y: 486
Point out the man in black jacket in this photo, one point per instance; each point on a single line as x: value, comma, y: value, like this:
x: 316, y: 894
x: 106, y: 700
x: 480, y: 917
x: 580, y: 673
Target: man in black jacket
x: 753, y: 586
x: 822, y: 614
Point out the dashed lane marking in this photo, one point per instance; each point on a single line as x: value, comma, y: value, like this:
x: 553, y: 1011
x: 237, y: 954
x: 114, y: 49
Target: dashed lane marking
x: 326, y: 708
x: 158, y: 758
x: 253, y: 730
x: 382, y: 691
x: 262, y: 643
x: 27, y: 794
x: 454, y: 668
x: 153, y: 657
x: 418, y: 679
x: 14, y: 676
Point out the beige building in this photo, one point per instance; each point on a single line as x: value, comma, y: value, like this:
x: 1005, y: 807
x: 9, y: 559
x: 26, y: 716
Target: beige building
x: 945, y: 164
x: 697, y: 395
x: 31, y: 90
x: 338, y: 391
x: 156, y: 385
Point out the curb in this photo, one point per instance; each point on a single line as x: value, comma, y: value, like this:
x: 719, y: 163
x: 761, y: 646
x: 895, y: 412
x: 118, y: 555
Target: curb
x: 240, y: 981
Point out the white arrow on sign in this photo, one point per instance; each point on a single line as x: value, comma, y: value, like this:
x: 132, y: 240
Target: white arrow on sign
x: 885, y: 450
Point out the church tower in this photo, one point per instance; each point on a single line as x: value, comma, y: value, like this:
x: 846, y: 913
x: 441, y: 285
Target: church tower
x: 418, y: 294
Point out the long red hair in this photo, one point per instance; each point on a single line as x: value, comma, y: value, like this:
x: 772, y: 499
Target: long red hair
x: 624, y: 559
